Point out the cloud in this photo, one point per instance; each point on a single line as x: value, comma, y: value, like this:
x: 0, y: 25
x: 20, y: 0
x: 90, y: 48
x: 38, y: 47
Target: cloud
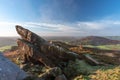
x: 50, y: 26
x: 91, y: 25
x: 101, y: 27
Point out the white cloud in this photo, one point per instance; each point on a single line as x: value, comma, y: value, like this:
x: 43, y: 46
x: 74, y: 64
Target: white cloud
x: 58, y: 27
x: 71, y: 29
x: 91, y: 25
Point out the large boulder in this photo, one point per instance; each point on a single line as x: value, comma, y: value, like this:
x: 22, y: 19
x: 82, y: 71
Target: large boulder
x: 10, y: 71
x: 34, y: 48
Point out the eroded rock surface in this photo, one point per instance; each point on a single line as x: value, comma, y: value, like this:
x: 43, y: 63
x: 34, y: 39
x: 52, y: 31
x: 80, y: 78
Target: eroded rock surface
x: 34, y: 48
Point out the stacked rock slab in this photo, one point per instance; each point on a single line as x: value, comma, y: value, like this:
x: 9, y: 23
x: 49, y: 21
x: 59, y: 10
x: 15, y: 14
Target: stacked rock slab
x: 34, y: 48
x: 10, y: 71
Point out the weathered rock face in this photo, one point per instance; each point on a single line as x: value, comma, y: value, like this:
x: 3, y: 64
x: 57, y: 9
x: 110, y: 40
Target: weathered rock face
x: 10, y: 71
x: 35, y: 48
x: 29, y: 36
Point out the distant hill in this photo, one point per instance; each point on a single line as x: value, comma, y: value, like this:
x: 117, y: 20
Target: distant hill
x: 113, y: 37
x: 95, y: 40
x: 60, y: 38
x: 90, y: 40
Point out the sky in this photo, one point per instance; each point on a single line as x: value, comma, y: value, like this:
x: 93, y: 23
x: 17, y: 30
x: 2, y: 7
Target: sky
x: 61, y: 17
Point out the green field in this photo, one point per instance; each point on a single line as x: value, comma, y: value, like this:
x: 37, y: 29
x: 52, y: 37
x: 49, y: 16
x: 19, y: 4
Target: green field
x: 2, y: 49
x: 106, y: 47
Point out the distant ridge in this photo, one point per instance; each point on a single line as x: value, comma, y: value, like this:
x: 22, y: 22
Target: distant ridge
x: 113, y: 37
x: 95, y: 40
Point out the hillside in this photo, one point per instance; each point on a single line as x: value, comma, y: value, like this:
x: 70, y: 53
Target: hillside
x: 95, y: 40
x: 113, y: 37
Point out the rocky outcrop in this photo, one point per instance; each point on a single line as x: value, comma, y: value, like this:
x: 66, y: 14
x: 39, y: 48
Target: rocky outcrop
x: 36, y: 49
x: 10, y: 71
x: 91, y: 60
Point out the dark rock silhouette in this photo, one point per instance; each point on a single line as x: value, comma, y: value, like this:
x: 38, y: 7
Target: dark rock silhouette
x: 36, y: 49
x: 10, y: 71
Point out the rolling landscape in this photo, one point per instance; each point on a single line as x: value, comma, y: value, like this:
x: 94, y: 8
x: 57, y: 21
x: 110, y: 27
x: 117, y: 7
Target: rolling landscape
x: 98, y: 57
x: 100, y: 42
x: 60, y: 40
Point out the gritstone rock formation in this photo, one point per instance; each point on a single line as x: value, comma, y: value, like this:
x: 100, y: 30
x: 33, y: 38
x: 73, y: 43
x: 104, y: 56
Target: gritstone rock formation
x: 10, y: 71
x: 36, y: 49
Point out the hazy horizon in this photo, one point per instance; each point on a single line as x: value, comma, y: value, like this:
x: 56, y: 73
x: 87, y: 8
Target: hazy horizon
x: 61, y: 17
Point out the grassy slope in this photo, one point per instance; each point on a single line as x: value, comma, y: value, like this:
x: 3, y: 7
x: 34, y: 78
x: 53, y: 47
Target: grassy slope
x: 102, y: 73
x: 4, y: 48
x: 109, y: 72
